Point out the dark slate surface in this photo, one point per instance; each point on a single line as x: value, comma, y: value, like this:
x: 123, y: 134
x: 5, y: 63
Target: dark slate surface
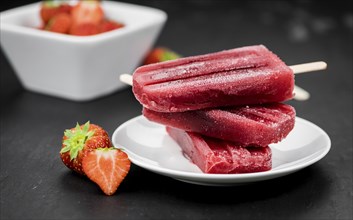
x: 36, y: 185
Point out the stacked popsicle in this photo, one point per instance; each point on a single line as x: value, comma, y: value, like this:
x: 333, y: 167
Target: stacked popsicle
x: 223, y: 108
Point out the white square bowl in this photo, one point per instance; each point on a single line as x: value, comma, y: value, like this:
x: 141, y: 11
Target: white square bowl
x: 74, y: 67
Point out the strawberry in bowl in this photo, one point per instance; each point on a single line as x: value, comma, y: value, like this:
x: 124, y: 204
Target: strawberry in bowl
x: 84, y: 18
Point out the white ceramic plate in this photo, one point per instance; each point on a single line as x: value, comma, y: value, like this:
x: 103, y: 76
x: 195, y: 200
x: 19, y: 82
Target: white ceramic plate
x: 149, y: 146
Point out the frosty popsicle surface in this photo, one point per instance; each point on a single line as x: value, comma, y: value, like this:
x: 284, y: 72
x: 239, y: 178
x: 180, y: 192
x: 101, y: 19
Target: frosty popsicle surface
x: 258, y: 125
x: 218, y: 156
x: 241, y: 76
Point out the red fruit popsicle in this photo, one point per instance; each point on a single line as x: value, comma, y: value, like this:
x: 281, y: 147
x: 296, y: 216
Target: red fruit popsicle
x: 241, y: 76
x: 218, y: 156
x: 258, y: 125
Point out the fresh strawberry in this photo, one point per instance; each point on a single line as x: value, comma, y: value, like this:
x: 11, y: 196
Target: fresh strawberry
x: 160, y: 54
x: 51, y: 8
x: 87, y: 12
x: 60, y: 23
x: 84, y: 29
x: 109, y: 25
x: 78, y: 141
x: 107, y: 167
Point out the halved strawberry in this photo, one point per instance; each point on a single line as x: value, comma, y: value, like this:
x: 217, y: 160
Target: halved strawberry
x: 107, y: 167
x: 160, y: 54
x: 87, y: 12
x: 78, y: 141
x: 60, y: 23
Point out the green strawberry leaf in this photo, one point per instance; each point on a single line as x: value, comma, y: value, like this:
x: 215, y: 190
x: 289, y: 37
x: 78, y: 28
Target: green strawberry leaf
x: 73, y: 153
x: 68, y: 133
x: 86, y: 127
x: 78, y: 127
x: 65, y: 149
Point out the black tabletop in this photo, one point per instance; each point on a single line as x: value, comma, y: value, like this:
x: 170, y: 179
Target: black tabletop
x: 36, y: 185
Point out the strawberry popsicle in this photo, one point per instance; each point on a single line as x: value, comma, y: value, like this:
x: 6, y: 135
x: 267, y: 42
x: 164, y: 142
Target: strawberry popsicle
x: 241, y: 76
x: 258, y: 125
x: 218, y: 156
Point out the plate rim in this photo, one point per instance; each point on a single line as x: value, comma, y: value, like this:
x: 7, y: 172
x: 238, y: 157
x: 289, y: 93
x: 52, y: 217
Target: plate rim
x: 207, y: 176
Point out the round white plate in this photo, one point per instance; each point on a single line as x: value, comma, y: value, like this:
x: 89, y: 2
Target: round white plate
x: 149, y: 146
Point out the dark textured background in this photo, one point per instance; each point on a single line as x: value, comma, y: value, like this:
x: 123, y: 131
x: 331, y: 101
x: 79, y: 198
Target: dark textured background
x: 35, y: 184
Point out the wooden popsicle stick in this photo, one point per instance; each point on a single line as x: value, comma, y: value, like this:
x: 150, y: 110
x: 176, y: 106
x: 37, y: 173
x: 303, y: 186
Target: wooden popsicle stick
x: 308, y: 67
x: 126, y: 78
x: 300, y: 94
